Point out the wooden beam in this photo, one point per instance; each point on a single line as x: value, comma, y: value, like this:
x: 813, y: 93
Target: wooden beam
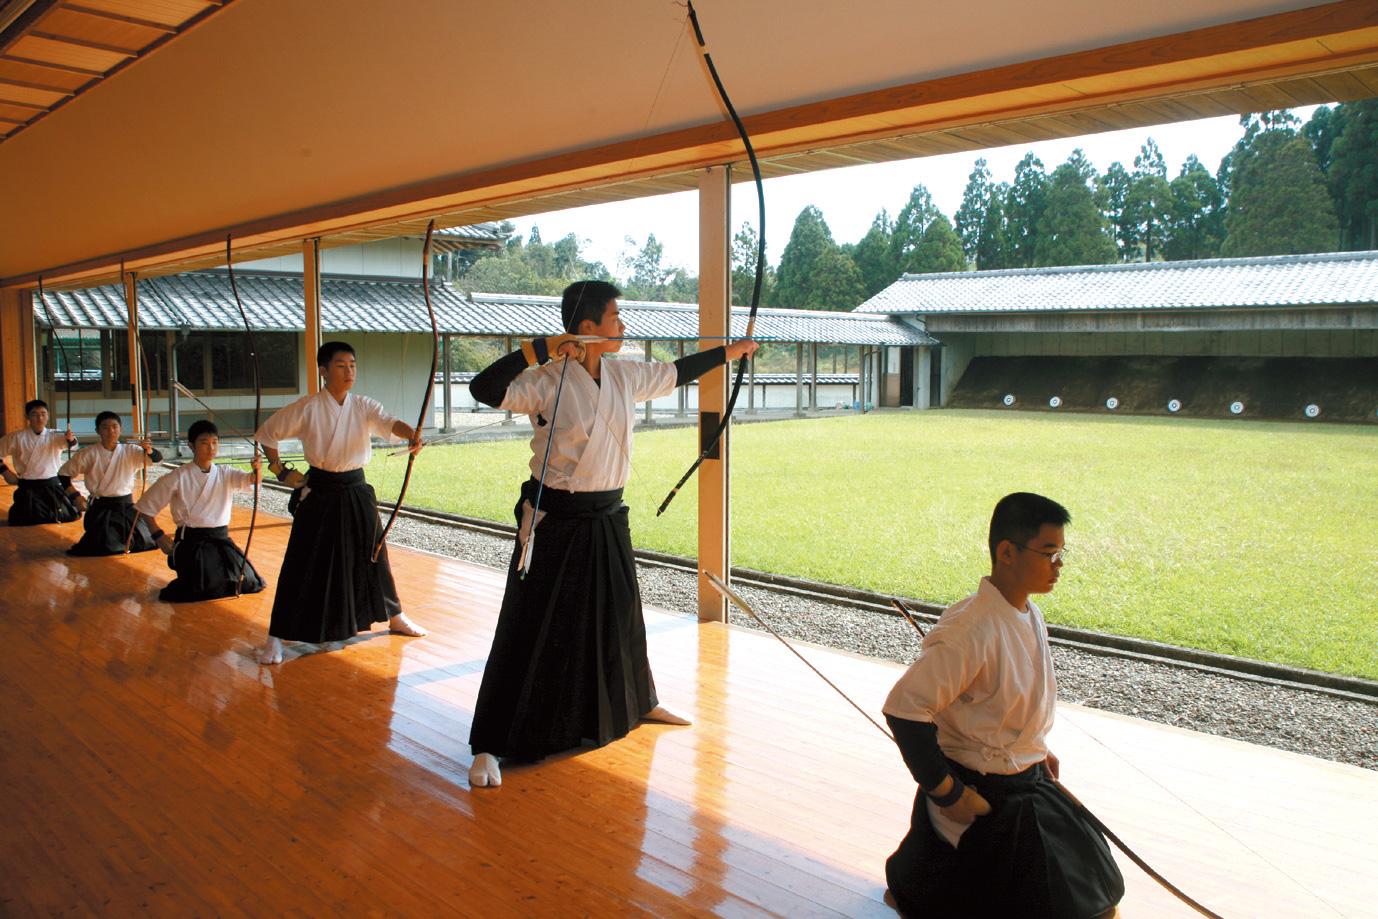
x: 6, y: 81
x: 120, y: 17
x: 64, y: 68
x: 715, y: 322
x: 26, y: 20
x: 84, y: 43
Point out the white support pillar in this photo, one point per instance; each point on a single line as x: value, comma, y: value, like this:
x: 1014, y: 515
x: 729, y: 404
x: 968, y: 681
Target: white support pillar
x: 683, y: 391
x: 799, y: 378
x: 813, y: 386
x: 445, y: 375
x: 311, y: 297
x: 751, y: 385
x: 860, y: 397
x: 507, y: 349
x: 174, y: 422
x: 715, y: 319
x: 136, y: 394
x: 649, y: 418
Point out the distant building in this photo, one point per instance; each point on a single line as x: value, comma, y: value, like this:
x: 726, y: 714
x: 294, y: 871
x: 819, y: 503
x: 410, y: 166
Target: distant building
x: 1273, y: 334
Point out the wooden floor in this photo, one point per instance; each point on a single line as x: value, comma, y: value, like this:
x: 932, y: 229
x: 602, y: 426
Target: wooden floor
x: 148, y: 765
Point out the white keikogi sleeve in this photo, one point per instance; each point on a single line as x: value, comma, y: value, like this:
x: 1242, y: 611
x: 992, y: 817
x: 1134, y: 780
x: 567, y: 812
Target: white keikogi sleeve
x: 949, y: 663
x: 532, y: 390
x: 651, y: 379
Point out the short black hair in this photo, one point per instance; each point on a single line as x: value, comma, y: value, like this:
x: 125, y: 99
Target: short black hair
x: 33, y: 404
x: 1019, y: 517
x: 106, y: 416
x: 326, y: 352
x: 204, y: 426
x: 586, y: 300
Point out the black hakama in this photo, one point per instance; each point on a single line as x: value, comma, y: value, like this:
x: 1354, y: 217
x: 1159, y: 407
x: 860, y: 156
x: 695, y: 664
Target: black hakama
x: 207, y: 563
x: 1033, y: 855
x: 107, y: 527
x: 568, y: 665
x: 329, y: 588
x: 39, y: 501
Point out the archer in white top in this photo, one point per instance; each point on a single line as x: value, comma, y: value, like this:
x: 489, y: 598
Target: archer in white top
x: 593, y: 443
x: 334, y: 433
x: 198, y: 496
x: 336, y: 578
x: 109, y: 467
x: 36, y: 450
x: 971, y: 717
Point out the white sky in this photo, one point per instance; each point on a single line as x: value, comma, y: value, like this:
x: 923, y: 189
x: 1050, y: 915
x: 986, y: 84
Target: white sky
x: 850, y: 198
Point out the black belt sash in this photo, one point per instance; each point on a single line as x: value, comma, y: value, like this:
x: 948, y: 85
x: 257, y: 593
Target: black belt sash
x: 586, y: 505
x: 324, y: 480
x: 193, y: 534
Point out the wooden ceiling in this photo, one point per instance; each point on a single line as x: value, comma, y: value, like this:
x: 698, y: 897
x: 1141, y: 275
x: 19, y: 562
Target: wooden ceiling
x: 241, y: 162
x: 52, y: 51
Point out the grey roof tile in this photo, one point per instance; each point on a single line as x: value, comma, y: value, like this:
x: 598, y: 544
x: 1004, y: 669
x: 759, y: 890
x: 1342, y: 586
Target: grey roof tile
x: 1339, y: 278
x: 203, y: 300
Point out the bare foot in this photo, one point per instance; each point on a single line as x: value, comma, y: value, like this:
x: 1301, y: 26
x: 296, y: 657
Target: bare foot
x: 401, y: 625
x: 663, y: 715
x: 270, y: 653
x: 484, y: 773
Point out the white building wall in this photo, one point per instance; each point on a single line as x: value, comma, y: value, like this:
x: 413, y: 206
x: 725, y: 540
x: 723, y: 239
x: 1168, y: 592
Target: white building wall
x: 393, y: 258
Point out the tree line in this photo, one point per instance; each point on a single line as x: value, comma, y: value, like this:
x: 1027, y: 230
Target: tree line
x: 1285, y: 188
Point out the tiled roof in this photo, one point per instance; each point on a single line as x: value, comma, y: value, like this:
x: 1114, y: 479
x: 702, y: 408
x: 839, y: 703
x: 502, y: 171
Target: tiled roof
x: 1340, y: 278
x: 474, y: 236
x: 680, y: 321
x: 203, y: 300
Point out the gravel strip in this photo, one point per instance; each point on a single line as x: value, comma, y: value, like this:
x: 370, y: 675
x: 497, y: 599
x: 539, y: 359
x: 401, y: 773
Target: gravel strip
x: 1307, y: 722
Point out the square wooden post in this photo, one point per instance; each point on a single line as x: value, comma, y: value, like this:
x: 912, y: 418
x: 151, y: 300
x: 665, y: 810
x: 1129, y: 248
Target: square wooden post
x: 715, y: 319
x: 311, y: 288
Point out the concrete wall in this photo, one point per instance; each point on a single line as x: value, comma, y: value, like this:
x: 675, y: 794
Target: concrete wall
x: 1253, y: 343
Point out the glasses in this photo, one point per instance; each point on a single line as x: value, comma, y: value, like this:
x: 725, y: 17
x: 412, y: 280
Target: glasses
x: 1053, y: 557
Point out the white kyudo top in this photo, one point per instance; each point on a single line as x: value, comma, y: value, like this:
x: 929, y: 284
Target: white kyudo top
x: 593, y: 441
x: 985, y: 678
x: 108, y: 473
x: 198, y: 498
x: 334, y: 436
x: 36, y: 456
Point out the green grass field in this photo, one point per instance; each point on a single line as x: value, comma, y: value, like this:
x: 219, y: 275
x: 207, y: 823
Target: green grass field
x: 1246, y: 538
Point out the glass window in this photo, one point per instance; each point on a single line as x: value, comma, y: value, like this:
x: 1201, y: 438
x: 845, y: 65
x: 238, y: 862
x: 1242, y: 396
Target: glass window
x: 76, y: 357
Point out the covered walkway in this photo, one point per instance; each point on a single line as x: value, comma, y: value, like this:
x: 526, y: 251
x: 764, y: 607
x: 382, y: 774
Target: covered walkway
x: 151, y: 766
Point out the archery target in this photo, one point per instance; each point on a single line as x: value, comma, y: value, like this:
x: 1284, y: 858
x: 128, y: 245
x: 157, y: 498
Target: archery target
x: 1236, y: 408
x: 1112, y: 403
x: 1313, y: 410
x: 1055, y: 402
x: 1009, y: 399
x: 1174, y: 405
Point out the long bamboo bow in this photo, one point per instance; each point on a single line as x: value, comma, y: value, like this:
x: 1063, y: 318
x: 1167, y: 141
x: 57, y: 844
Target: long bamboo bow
x: 258, y: 407
x: 430, y: 385
x: 712, y: 442
x: 66, y: 365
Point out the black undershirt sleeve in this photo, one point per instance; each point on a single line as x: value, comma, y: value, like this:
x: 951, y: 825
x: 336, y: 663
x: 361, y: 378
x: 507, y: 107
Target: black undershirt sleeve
x: 918, y: 743
x: 490, y: 386
x: 692, y: 366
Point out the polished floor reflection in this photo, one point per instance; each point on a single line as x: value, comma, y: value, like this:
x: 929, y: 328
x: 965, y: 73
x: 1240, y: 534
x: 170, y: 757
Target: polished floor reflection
x: 148, y: 765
